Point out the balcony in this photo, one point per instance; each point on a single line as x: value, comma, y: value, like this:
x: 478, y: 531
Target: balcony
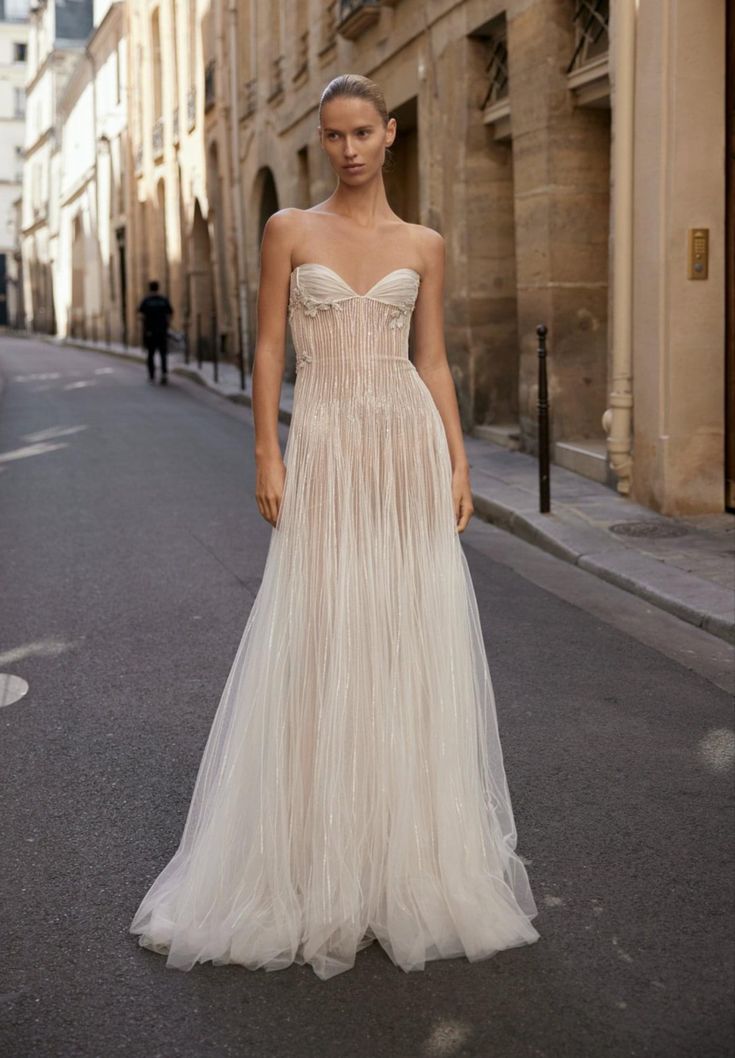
x: 209, y: 86
x: 357, y: 16
x: 157, y: 139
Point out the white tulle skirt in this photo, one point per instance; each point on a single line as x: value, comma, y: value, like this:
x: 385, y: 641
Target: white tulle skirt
x: 352, y: 786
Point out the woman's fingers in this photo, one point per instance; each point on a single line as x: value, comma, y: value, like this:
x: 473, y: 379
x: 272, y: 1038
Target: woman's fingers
x: 465, y: 511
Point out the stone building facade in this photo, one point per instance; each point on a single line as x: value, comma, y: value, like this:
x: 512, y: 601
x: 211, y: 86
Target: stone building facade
x: 74, y: 200
x: 13, y: 50
x: 572, y: 152
x: 90, y: 277
x: 541, y: 137
x: 58, y: 33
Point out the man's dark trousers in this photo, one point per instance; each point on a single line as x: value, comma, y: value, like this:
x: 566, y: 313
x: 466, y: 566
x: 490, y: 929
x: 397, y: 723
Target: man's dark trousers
x: 156, y: 340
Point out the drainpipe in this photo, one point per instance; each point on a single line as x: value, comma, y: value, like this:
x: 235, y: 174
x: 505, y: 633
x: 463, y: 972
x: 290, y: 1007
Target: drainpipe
x: 101, y: 289
x: 242, y: 286
x: 618, y: 418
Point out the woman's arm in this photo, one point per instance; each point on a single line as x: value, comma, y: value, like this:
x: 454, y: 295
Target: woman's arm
x: 269, y: 361
x: 433, y: 367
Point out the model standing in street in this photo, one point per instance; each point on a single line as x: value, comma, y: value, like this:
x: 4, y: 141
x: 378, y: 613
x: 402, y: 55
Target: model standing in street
x: 352, y: 787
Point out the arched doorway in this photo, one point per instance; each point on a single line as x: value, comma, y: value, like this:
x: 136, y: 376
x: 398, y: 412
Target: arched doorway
x: 77, y: 323
x: 201, y: 287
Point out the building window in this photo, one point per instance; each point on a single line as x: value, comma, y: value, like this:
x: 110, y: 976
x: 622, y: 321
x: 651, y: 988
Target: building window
x: 496, y: 69
x: 591, y: 29
x: 19, y: 96
x: 20, y: 50
x: 495, y: 99
x: 588, y: 73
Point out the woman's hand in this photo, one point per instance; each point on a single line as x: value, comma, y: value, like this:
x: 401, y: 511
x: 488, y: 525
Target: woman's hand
x: 270, y: 478
x: 462, y: 497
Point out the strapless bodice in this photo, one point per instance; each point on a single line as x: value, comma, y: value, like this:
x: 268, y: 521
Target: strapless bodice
x: 329, y: 320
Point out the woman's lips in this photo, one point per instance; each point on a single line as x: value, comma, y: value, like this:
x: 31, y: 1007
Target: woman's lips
x: 352, y: 168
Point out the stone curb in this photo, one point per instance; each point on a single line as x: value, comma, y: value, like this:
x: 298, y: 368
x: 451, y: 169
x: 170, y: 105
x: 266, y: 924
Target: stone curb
x: 696, y: 601
x: 690, y: 598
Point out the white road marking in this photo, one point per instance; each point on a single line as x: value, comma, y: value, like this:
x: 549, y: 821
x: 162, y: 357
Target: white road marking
x: 28, y: 450
x: 12, y: 689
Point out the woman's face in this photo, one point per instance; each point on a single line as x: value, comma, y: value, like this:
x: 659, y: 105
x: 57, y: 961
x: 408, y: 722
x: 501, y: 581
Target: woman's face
x: 354, y: 137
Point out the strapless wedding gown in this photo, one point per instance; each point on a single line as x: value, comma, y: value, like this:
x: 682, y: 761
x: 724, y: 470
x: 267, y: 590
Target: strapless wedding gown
x: 352, y: 786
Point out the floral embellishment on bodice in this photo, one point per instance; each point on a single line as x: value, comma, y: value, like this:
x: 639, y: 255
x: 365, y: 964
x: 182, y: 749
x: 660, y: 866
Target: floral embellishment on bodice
x: 400, y: 313
x: 309, y: 304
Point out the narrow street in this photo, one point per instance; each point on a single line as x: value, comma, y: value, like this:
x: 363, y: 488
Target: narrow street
x: 131, y: 550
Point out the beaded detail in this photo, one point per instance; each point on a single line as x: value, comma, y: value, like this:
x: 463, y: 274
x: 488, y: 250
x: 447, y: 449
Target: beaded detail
x: 310, y: 305
x: 400, y: 313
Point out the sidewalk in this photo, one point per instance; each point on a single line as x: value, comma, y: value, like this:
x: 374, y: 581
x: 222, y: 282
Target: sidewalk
x: 685, y: 566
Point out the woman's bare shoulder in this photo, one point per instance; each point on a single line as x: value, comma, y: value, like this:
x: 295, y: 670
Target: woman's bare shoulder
x: 428, y: 244
x: 283, y: 221
x: 290, y: 225
x: 428, y: 237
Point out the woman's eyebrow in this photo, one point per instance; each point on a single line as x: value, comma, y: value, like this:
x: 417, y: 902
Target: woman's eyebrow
x: 357, y: 128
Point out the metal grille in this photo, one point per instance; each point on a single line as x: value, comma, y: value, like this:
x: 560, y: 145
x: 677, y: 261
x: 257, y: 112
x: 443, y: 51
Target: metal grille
x: 592, y: 25
x: 496, y: 70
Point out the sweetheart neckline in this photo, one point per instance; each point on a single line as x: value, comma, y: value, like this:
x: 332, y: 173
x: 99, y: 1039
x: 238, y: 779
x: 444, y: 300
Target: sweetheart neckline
x: 316, y: 264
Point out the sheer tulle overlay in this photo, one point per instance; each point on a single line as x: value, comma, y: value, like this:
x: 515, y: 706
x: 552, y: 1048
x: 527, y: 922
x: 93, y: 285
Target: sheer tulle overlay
x: 352, y: 787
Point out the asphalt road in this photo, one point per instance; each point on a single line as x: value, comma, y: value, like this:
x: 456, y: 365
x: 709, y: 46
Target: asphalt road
x: 131, y: 550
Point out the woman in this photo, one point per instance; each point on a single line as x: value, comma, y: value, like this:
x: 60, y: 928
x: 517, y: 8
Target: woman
x: 352, y: 786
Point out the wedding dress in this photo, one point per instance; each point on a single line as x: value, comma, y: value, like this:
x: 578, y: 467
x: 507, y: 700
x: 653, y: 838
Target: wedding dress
x: 352, y: 787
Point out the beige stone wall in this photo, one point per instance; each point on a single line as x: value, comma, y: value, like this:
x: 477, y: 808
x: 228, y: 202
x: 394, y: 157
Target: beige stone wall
x: 561, y: 177
x: 678, y: 325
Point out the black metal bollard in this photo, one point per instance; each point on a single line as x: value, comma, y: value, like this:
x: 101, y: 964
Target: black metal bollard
x: 222, y: 353
x: 199, y: 340
x: 240, y: 357
x: 213, y: 344
x: 543, y: 424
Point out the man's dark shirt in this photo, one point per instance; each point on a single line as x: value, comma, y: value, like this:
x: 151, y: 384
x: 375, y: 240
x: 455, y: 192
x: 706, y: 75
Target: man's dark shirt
x: 156, y: 309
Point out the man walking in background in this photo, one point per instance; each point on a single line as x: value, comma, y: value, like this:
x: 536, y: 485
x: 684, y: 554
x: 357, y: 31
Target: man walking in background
x: 156, y: 310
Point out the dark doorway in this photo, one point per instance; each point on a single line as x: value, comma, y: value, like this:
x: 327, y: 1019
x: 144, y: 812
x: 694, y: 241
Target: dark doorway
x: 3, y: 292
x: 402, y: 180
x: 122, y: 266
